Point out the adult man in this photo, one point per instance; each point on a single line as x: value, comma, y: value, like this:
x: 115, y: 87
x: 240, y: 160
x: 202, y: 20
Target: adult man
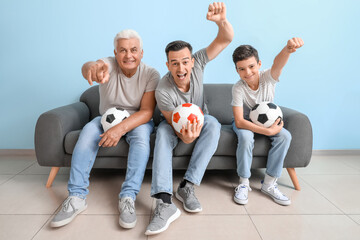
x: 125, y: 82
x: 184, y: 83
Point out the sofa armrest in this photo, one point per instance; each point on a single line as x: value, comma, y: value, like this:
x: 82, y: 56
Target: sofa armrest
x: 50, y: 131
x: 300, y: 151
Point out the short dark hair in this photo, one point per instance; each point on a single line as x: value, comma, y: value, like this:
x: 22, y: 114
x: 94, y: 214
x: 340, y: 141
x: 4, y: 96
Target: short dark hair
x: 244, y: 52
x: 177, y: 46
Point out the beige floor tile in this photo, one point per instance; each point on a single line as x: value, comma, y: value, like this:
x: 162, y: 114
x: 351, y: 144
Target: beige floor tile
x: 37, y: 169
x: 4, y: 178
x: 305, y: 227
x: 88, y: 227
x: 15, y: 164
x: 306, y: 201
x: 356, y: 218
x: 104, y: 194
x: 330, y: 165
x: 342, y: 190
x: 352, y: 161
x: 27, y: 194
x: 210, y: 227
x: 14, y: 227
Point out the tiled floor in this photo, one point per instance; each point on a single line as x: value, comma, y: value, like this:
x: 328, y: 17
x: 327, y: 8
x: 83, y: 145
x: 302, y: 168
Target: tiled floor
x: 327, y: 207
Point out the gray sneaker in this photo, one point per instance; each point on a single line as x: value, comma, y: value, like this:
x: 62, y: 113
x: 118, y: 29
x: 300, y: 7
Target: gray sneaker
x: 187, y: 196
x: 71, y: 207
x: 127, y: 217
x: 164, y: 214
x: 273, y: 191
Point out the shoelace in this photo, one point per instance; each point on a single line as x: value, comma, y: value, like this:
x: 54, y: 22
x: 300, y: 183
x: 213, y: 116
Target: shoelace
x: 241, y: 186
x: 189, y: 191
x: 159, y: 208
x: 276, y: 190
x: 127, y: 205
x: 66, y: 204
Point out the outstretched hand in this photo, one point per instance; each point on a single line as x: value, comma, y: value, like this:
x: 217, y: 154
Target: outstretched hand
x: 216, y: 12
x: 98, y: 72
x: 294, y: 44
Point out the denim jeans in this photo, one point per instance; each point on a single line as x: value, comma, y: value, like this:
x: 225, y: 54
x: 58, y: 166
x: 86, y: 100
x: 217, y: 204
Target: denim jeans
x: 280, y: 144
x: 85, y: 151
x: 166, y: 141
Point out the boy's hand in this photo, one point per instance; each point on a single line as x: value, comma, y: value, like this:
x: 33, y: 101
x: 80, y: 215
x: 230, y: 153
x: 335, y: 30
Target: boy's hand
x: 294, y: 44
x: 216, y: 12
x: 276, y: 127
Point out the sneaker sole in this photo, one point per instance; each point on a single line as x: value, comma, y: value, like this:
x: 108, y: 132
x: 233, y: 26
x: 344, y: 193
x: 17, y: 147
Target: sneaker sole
x: 239, y: 201
x: 127, y: 225
x: 188, y: 210
x: 278, y: 201
x: 170, y: 220
x: 68, y: 220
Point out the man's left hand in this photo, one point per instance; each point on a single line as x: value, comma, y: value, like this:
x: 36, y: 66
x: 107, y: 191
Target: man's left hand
x: 216, y: 12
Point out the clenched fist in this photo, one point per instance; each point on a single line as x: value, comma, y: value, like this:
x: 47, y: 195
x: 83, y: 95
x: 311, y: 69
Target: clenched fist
x: 294, y: 44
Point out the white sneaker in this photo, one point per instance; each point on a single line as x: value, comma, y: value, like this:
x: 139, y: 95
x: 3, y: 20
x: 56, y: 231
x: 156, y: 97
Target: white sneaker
x: 241, y: 194
x: 273, y: 191
x: 71, y: 207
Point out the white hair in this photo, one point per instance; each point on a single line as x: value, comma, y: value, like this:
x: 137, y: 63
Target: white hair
x: 127, y: 34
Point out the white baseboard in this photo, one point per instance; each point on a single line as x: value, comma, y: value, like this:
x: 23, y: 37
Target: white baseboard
x: 17, y: 152
x: 336, y: 152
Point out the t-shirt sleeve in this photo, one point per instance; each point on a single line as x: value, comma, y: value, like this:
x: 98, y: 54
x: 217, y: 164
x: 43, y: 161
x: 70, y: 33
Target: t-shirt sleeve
x: 154, y: 78
x: 201, y: 58
x: 268, y: 78
x: 164, y: 100
x: 237, y: 96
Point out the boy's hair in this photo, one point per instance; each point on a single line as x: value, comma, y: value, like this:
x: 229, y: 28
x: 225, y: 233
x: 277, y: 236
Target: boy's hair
x: 244, y: 52
x: 177, y: 46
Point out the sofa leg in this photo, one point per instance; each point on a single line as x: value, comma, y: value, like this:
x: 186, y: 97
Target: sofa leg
x: 52, y: 175
x: 294, y: 178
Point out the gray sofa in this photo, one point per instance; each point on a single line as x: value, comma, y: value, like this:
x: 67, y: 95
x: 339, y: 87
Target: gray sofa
x: 57, y: 131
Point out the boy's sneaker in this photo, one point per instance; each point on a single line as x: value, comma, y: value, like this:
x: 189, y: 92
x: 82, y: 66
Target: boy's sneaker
x: 187, y: 196
x: 71, y: 207
x: 241, y: 194
x: 273, y: 191
x: 127, y: 211
x: 164, y: 214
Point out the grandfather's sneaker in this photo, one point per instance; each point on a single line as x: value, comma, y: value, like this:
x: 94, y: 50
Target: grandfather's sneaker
x: 273, y: 191
x: 187, y: 196
x: 127, y: 211
x: 164, y: 214
x: 71, y: 207
x: 241, y: 194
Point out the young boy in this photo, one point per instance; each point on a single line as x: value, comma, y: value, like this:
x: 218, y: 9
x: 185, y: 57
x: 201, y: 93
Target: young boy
x: 256, y: 86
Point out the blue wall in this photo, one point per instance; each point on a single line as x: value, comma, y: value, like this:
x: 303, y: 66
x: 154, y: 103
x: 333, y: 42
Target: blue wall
x: 43, y: 45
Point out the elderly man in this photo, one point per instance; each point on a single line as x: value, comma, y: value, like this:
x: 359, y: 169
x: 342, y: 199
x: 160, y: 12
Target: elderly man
x: 184, y: 83
x: 125, y: 82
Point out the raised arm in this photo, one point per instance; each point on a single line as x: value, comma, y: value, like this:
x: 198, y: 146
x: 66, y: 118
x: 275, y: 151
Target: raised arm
x: 95, y: 72
x: 217, y: 13
x: 282, y: 58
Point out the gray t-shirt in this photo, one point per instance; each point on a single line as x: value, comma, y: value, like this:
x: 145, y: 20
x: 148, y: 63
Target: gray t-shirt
x: 121, y: 91
x: 168, y: 95
x: 244, y: 96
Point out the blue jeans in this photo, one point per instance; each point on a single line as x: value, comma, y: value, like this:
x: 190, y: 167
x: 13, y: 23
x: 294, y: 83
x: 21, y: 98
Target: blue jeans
x: 166, y: 141
x: 279, y: 146
x: 85, y: 151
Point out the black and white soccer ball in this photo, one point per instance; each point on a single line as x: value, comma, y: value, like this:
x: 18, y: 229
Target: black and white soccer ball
x: 265, y: 114
x: 112, y: 117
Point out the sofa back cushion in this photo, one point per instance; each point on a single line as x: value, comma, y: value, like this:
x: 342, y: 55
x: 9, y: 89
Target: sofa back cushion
x: 217, y: 97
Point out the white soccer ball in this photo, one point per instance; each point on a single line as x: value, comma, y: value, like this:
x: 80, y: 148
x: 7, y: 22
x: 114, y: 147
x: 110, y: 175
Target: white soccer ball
x: 265, y: 114
x: 112, y: 117
x: 184, y: 113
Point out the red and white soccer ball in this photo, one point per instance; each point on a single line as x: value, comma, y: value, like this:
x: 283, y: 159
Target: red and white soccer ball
x: 112, y: 117
x: 184, y: 113
x: 265, y: 114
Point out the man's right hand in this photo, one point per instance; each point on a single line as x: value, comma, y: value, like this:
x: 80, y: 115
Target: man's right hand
x: 97, y: 72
